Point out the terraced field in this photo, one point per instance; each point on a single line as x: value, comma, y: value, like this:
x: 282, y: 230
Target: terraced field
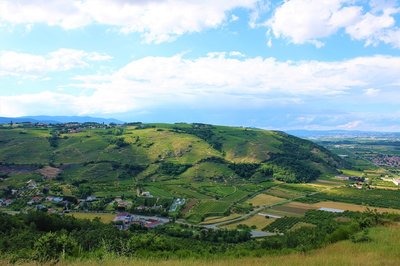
x: 218, y: 219
x: 208, y: 208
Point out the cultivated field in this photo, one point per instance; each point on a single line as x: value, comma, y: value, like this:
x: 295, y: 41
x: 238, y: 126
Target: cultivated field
x: 285, y: 193
x: 350, y: 207
x: 104, y: 217
x: 218, y: 219
x: 294, y: 208
x: 264, y: 200
x: 375, y: 197
x: 208, y: 208
x: 257, y: 220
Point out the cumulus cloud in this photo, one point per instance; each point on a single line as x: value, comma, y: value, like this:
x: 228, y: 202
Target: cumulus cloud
x: 309, y: 21
x: 31, y: 65
x: 214, y: 81
x: 158, y: 21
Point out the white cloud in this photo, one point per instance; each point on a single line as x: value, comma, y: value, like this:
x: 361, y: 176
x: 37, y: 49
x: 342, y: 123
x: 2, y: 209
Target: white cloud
x: 309, y: 21
x: 30, y: 65
x: 305, y: 20
x: 158, y: 21
x: 236, y: 53
x: 64, y: 13
x: 371, y: 28
x: 216, y: 81
x: 371, y: 92
x: 391, y: 37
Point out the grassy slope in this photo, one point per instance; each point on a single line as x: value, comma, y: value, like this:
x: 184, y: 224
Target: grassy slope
x: 245, y: 145
x: 171, y: 147
x: 20, y: 148
x: 209, y: 170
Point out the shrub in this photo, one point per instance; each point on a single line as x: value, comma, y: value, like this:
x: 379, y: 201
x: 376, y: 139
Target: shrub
x: 52, y: 247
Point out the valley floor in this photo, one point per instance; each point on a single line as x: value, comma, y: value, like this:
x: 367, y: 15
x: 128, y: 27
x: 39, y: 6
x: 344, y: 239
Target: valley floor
x: 382, y: 250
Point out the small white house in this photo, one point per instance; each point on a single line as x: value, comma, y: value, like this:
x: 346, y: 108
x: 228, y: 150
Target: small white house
x: 91, y: 198
x: 31, y: 184
x: 146, y: 194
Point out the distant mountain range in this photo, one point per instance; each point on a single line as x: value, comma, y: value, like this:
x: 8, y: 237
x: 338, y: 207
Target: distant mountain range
x: 341, y: 133
x: 58, y: 119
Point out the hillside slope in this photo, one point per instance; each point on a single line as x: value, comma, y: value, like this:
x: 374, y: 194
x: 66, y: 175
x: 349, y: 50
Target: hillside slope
x: 169, y: 150
x: 215, y: 168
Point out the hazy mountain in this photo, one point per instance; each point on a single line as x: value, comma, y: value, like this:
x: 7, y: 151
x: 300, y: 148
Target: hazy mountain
x: 58, y: 119
x: 342, y: 133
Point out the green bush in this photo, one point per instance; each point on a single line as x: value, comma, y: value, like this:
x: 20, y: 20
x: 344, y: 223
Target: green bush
x: 53, y: 246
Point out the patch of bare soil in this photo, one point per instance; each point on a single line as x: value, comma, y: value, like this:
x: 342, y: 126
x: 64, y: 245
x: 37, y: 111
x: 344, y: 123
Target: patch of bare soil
x: 49, y: 172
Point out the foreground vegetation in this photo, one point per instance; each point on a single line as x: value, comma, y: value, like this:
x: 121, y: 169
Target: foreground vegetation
x: 381, y: 250
x: 42, y: 237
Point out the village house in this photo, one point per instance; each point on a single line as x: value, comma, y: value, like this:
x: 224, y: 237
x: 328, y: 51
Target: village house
x: 342, y: 177
x: 146, y: 194
x: 177, y: 202
x: 124, y: 204
x: 124, y: 220
x: 41, y: 207
x: 358, y: 186
x: 52, y: 211
x: 31, y: 184
x: 152, y: 223
x: 35, y: 200
x: 54, y: 199
x: 148, y: 208
x: 357, y: 178
x: 91, y: 198
x: 7, y: 202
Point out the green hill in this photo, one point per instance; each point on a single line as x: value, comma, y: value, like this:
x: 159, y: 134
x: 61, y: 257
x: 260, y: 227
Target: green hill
x: 169, y: 160
x: 157, y: 144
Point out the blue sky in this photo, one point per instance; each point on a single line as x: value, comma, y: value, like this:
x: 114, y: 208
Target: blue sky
x: 297, y: 64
